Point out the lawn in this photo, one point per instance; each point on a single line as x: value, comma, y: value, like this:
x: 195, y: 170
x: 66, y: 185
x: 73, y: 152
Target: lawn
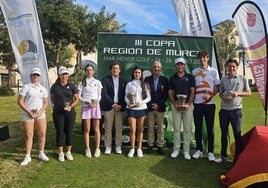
x: 108, y: 170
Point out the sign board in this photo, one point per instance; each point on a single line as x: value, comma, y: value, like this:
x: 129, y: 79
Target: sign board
x: 141, y: 50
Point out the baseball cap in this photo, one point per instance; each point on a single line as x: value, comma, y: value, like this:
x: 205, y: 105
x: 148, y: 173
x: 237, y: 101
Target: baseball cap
x: 180, y: 60
x: 36, y: 71
x: 63, y: 70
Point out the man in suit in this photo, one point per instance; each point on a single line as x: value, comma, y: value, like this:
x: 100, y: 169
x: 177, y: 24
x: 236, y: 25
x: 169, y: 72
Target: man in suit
x: 157, y: 106
x: 113, y: 105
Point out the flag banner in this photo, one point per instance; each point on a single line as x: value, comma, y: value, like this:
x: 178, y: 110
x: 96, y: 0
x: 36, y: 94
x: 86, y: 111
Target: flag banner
x: 26, y: 39
x: 133, y: 49
x: 251, y: 27
x: 194, y: 21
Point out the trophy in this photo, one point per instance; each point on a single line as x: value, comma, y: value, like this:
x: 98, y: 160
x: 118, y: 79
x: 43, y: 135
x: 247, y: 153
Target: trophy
x: 66, y: 106
x: 181, y: 101
x: 132, y: 99
x: 94, y: 102
x: 205, y: 91
x: 34, y: 111
x: 228, y: 96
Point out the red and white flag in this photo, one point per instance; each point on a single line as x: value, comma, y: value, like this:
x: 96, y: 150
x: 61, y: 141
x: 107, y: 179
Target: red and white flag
x: 194, y: 21
x: 26, y: 38
x: 251, y: 27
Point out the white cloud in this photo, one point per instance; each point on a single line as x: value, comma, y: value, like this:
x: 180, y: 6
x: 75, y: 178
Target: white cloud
x: 157, y: 16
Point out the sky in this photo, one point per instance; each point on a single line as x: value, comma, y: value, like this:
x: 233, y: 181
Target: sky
x: 158, y: 16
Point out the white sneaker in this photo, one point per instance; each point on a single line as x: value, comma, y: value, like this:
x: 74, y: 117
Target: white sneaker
x: 26, y: 161
x: 97, y: 153
x: 61, y: 157
x: 69, y: 156
x: 220, y: 160
x: 118, y: 150
x: 108, y: 150
x: 88, y: 153
x: 175, y: 153
x: 197, y: 154
x: 187, y: 156
x: 42, y: 157
x: 211, y: 156
x: 131, y: 152
x: 139, y: 153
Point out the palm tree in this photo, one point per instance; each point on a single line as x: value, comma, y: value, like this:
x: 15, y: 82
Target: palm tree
x: 227, y: 43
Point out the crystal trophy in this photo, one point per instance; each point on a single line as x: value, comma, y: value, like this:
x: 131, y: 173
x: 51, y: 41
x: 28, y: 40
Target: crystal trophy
x: 132, y: 99
x: 34, y: 111
x: 94, y: 102
x: 66, y: 105
x: 181, y: 101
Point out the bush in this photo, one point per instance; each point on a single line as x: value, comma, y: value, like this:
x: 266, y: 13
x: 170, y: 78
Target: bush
x: 6, y: 91
x: 76, y: 78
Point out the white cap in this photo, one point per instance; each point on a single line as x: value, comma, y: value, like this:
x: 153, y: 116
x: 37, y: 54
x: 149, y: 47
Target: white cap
x: 180, y: 60
x: 63, y: 70
x: 36, y: 71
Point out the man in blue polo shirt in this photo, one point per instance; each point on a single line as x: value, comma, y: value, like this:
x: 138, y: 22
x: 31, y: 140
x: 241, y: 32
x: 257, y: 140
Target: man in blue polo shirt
x: 181, y: 94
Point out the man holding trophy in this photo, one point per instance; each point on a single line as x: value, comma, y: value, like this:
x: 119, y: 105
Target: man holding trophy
x: 207, y: 82
x: 181, y: 94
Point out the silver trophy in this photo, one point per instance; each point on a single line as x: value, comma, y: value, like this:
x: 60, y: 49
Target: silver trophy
x: 132, y: 99
x: 181, y: 101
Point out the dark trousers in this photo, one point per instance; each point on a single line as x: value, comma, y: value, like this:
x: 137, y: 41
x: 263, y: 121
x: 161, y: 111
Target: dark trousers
x: 235, y: 118
x: 64, y: 123
x: 206, y: 111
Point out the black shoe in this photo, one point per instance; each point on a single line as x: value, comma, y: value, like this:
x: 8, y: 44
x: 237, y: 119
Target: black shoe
x: 161, y: 150
x: 149, y: 149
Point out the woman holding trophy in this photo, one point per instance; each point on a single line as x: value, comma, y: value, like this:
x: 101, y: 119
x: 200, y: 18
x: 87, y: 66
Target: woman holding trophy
x: 90, y: 95
x: 137, y: 95
x: 33, y: 100
x: 64, y: 96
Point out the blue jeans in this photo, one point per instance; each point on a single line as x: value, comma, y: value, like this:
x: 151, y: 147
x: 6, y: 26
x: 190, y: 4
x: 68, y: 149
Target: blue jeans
x: 207, y: 111
x: 235, y: 118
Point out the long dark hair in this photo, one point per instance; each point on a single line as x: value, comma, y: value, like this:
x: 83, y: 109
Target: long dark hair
x: 144, y: 85
x: 84, y: 83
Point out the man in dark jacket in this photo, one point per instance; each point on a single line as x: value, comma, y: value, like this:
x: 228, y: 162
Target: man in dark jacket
x: 157, y: 106
x: 113, y: 105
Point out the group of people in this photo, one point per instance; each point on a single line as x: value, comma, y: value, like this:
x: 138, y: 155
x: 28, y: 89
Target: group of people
x: 191, y: 96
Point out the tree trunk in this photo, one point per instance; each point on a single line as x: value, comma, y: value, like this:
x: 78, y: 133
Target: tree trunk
x: 59, y: 46
x: 78, y: 65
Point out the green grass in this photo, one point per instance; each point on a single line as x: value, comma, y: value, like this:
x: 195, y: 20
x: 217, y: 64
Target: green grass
x: 113, y: 170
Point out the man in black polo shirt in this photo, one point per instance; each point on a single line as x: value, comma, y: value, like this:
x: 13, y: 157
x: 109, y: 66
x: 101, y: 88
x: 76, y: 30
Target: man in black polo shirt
x: 181, y: 94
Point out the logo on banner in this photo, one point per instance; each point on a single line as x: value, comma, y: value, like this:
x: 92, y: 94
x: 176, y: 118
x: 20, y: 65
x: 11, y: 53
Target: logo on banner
x: 28, y: 52
x: 27, y: 46
x: 251, y: 19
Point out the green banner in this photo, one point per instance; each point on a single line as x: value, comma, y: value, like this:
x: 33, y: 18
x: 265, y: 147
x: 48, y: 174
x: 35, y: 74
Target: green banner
x: 132, y: 50
x: 141, y: 50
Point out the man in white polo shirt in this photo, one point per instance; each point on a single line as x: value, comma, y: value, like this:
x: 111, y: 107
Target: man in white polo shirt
x: 207, y: 83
